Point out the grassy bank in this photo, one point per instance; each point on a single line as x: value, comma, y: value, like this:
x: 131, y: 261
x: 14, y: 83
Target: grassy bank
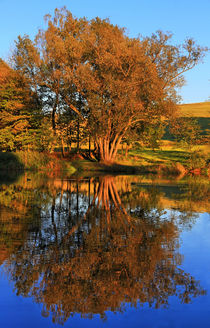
x: 34, y: 161
x: 168, y: 160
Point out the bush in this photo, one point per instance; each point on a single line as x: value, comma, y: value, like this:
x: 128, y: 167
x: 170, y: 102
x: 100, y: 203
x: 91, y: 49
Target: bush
x: 33, y: 160
x: 197, y: 160
x: 10, y: 161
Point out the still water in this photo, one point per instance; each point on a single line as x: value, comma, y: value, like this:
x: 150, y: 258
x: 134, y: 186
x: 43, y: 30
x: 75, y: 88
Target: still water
x: 104, y: 252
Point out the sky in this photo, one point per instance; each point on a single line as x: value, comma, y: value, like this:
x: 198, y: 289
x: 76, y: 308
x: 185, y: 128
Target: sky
x: 184, y: 18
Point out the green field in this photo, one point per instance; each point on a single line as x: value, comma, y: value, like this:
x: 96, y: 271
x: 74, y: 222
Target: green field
x: 169, y: 152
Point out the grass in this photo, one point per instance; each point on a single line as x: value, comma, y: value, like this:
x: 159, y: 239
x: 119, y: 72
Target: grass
x: 90, y: 167
x: 199, y: 111
x: 138, y: 160
x: 161, y: 156
x: 34, y: 161
x: 168, y: 159
x: 195, y: 109
x: 167, y: 154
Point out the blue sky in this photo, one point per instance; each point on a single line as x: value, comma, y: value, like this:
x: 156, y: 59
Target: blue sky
x: 184, y: 18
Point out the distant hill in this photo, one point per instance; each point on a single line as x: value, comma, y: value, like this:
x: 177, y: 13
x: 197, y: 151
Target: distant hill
x: 195, y: 110
x: 199, y: 111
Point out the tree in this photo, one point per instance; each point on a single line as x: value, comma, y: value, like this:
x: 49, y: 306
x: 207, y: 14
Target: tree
x: 121, y: 86
x: 17, y: 110
x: 186, y: 130
x: 108, y: 80
x: 172, y: 61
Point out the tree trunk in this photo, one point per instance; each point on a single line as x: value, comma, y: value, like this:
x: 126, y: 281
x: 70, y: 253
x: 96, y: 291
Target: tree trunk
x: 53, y: 115
x: 78, y: 132
x: 126, y: 150
x: 53, y: 119
x: 70, y: 138
x: 116, y: 148
x: 89, y: 145
x: 62, y: 147
x: 107, y: 149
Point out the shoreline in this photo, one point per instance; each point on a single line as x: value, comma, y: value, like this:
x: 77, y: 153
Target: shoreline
x: 53, y: 165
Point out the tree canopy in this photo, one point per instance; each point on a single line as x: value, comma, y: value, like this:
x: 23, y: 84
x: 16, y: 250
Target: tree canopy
x: 92, y: 73
x: 19, y: 111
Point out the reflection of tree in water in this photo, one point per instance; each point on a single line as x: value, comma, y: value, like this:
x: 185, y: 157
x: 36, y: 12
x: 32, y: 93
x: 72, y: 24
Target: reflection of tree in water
x: 92, y: 253
x: 195, y: 195
x: 18, y: 216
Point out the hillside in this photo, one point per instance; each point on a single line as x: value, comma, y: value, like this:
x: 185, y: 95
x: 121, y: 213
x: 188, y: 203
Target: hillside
x: 199, y: 111
x: 196, y: 109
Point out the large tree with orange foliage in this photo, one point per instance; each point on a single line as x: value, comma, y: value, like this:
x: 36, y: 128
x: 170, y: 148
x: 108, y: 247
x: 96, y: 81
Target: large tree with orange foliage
x: 105, y: 78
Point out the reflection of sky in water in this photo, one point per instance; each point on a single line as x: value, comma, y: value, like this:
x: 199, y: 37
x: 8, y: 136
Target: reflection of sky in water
x: 196, y: 249
x: 17, y: 311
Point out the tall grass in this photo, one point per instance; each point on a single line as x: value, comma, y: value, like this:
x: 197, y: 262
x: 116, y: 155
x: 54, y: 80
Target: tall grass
x: 34, y: 161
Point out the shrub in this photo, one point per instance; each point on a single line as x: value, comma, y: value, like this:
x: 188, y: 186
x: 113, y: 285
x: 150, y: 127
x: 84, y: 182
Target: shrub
x: 197, y: 160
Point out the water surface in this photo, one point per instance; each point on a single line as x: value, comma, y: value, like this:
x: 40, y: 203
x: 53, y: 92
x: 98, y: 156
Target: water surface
x: 104, y: 251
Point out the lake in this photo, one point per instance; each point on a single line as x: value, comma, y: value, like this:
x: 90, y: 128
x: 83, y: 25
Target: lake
x: 104, y: 251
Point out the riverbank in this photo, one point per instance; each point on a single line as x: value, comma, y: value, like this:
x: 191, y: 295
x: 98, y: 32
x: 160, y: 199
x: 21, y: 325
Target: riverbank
x: 166, y: 161
x: 138, y: 161
x: 51, y: 164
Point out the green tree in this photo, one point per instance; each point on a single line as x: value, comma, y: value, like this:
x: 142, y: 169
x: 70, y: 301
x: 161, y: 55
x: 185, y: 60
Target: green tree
x: 186, y: 131
x: 18, y: 113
